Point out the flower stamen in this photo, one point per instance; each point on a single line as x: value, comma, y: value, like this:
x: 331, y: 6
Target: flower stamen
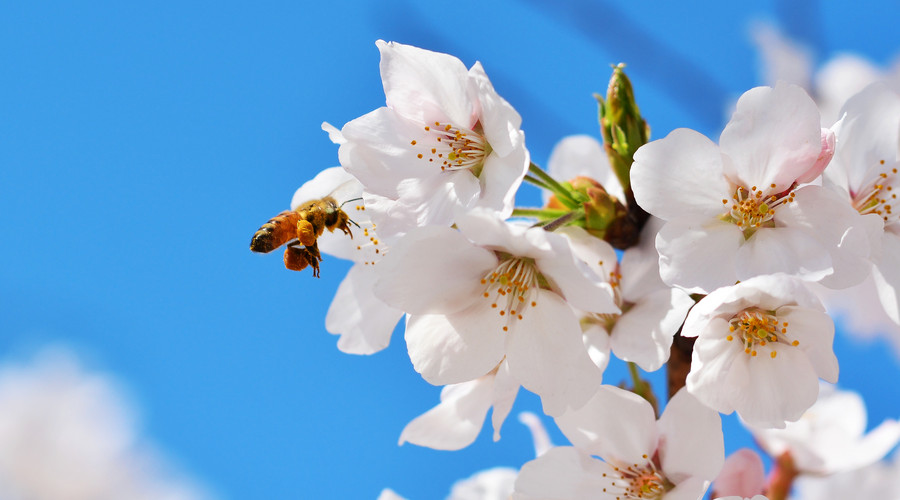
x: 454, y: 148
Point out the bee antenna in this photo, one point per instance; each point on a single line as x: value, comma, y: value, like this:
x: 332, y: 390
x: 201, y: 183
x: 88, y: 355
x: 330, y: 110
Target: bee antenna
x: 348, y: 201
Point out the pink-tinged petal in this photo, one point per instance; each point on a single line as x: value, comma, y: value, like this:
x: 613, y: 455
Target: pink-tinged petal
x: 887, y: 277
x: 582, y: 155
x: 425, y: 86
x: 615, y: 424
x: 379, y: 153
x: 691, y: 443
x: 698, y: 259
x: 456, y: 421
x: 774, y: 137
x: 711, y: 364
x: 546, y: 355
x: 433, y: 270
x: 783, y: 250
x: 363, y: 322
x: 456, y: 348
x: 690, y: 489
x: 868, y: 133
x: 766, y: 391
x: 505, y: 390
x: 563, y: 473
x: 596, y: 340
x: 578, y: 289
x: 680, y: 176
x: 500, y: 178
x: 814, y: 330
x: 499, y: 120
x: 644, y: 333
x: 823, y: 160
x: 743, y: 475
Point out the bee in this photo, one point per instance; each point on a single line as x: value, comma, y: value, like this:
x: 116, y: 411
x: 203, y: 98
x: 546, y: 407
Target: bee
x: 300, y: 228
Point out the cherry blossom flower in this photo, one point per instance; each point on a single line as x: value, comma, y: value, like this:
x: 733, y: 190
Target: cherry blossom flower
x: 829, y: 438
x: 445, y: 141
x: 490, y: 291
x: 743, y: 475
x: 491, y: 484
x: 734, y: 211
x: 364, y: 322
x: 642, y: 458
x: 865, y: 172
x: 751, y: 338
x: 652, y: 312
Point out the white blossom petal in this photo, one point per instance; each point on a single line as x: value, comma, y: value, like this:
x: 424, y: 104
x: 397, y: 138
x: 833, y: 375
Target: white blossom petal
x: 680, y: 177
x: 774, y: 136
x: 456, y: 421
x: 691, y: 439
x: 615, y: 424
x: 546, y: 355
x: 451, y: 349
x: 362, y: 320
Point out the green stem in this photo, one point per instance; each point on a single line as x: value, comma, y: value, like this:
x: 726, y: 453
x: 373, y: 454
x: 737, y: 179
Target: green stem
x: 641, y: 387
x: 540, y: 213
x: 553, y: 186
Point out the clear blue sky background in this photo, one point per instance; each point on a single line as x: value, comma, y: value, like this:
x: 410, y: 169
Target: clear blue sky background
x: 142, y: 145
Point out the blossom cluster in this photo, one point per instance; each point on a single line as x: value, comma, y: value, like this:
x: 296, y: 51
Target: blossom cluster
x: 729, y: 246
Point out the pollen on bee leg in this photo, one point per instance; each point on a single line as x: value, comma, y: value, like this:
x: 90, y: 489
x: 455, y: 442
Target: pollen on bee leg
x: 306, y: 233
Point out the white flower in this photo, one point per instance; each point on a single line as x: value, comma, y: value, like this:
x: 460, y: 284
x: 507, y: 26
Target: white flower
x: 495, y: 290
x: 642, y: 458
x: 445, y: 142
x: 68, y: 435
x: 761, y: 347
x: 734, y: 211
x: 651, y: 311
x: 364, y: 322
x: 829, y: 437
x: 864, y: 171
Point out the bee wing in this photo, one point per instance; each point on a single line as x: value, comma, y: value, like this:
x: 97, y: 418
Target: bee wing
x: 324, y: 184
x: 349, y: 190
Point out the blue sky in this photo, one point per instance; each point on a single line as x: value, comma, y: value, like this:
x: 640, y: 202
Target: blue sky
x: 142, y: 145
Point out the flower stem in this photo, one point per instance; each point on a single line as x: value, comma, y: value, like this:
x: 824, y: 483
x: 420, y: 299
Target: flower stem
x: 551, y: 184
x: 540, y: 213
x: 641, y: 387
x: 782, y: 477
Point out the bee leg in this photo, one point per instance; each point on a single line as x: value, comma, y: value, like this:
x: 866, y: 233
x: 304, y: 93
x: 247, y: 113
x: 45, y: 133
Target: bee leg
x: 295, y: 258
x: 314, y: 257
x: 306, y: 232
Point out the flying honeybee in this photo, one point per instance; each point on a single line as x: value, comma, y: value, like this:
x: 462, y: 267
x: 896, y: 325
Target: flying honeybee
x: 300, y: 228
